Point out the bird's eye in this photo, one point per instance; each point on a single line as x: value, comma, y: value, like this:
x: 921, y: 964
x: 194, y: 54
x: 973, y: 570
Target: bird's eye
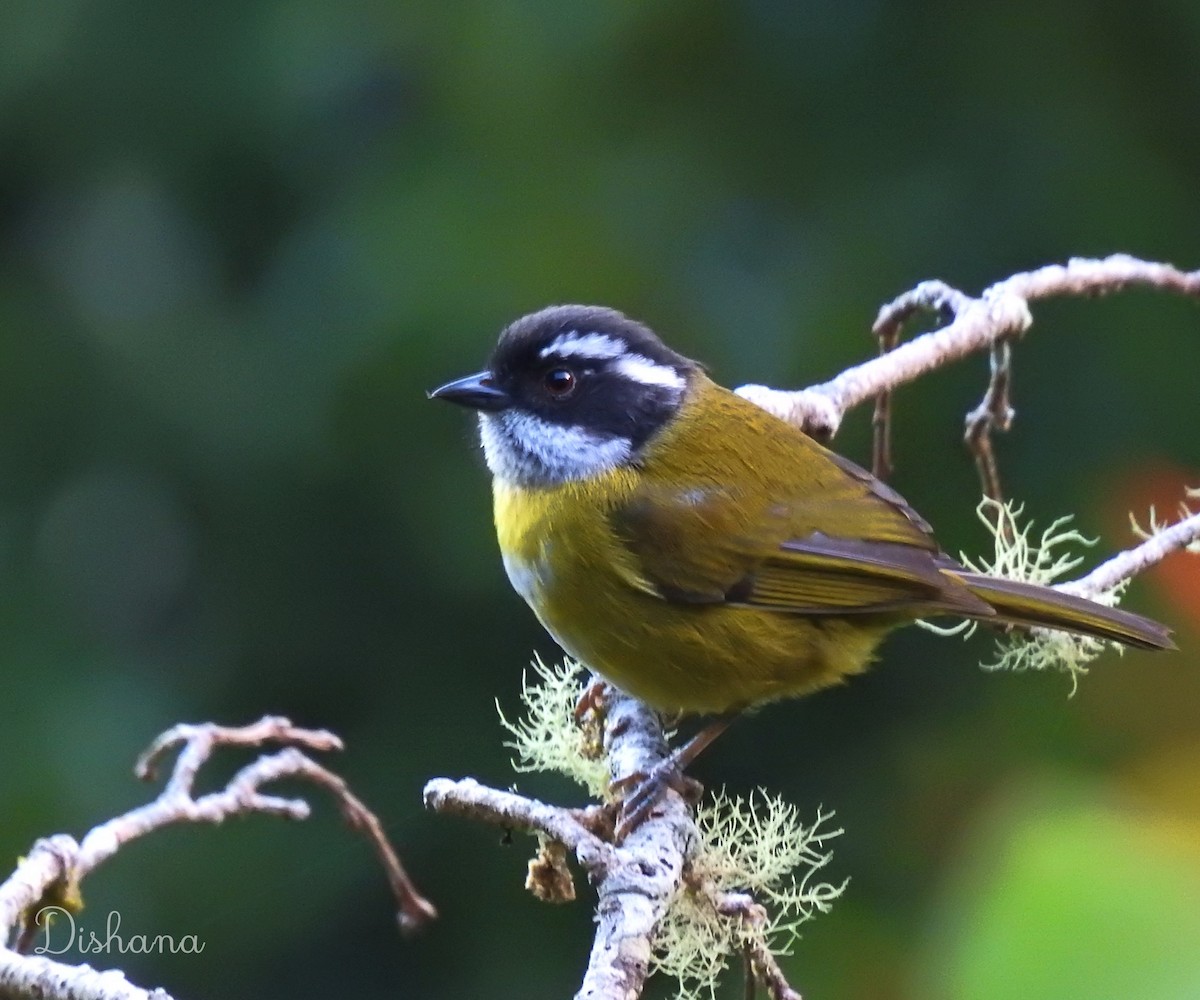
x: 559, y: 382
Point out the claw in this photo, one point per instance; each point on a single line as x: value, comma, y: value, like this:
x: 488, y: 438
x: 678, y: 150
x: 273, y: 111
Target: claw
x: 647, y: 789
x: 591, y: 699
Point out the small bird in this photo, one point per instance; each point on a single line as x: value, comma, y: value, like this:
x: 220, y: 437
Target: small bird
x: 697, y: 551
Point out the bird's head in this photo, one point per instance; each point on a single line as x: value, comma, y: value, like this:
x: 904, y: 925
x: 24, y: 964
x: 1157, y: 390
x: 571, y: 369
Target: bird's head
x: 570, y: 392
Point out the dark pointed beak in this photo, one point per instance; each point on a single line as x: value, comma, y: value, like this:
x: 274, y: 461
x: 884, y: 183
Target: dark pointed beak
x: 477, y: 391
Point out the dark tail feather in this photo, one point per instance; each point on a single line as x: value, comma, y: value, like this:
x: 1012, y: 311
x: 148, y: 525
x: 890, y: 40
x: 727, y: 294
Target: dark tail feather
x: 1029, y: 604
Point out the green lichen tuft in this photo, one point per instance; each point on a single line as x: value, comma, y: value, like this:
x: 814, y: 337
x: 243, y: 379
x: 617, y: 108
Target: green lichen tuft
x: 1044, y: 560
x: 546, y: 737
x: 748, y: 848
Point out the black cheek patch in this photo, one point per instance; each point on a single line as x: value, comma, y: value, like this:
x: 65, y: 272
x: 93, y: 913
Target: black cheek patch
x: 607, y: 405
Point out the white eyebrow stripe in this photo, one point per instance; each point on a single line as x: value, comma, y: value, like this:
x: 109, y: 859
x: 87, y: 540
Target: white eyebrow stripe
x: 642, y: 369
x: 601, y: 347
x: 584, y: 345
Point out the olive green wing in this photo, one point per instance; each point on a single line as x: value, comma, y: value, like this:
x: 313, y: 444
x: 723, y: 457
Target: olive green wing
x: 843, y: 544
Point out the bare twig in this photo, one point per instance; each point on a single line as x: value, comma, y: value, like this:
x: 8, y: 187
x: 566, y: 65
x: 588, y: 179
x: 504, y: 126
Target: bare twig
x: 994, y: 413
x: 52, y: 871
x: 881, y: 423
x: 1183, y: 535
x: 1001, y: 312
x: 36, y: 976
x: 414, y: 910
x: 471, y: 800
x: 763, y: 966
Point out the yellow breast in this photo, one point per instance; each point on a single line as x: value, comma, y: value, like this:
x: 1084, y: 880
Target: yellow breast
x: 561, y: 555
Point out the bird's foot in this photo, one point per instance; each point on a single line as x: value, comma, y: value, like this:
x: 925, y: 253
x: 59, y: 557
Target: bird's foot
x: 591, y: 700
x: 646, y: 789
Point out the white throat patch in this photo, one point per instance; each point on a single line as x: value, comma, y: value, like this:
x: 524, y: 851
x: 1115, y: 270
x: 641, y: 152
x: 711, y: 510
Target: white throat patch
x: 522, y: 448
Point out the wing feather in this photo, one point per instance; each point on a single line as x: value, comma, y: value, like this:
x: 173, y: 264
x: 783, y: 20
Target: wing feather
x: 786, y: 526
x: 767, y: 518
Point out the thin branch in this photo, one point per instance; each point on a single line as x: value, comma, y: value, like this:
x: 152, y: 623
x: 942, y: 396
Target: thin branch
x: 1002, y: 311
x: 762, y: 964
x: 471, y: 800
x: 1180, y: 536
x: 52, y: 871
x: 413, y: 909
x: 881, y: 423
x: 994, y: 413
x: 36, y: 976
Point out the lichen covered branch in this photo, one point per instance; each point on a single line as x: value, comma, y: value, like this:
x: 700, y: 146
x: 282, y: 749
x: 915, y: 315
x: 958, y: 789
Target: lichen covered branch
x: 635, y: 880
x: 666, y: 893
x: 1160, y: 542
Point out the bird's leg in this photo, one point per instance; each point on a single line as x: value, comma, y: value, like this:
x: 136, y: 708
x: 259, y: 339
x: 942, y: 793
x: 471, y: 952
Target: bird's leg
x: 648, y: 788
x: 590, y: 709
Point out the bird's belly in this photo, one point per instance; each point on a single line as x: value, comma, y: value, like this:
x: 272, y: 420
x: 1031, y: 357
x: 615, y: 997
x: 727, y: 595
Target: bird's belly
x: 527, y: 576
x: 533, y: 579
x: 697, y: 658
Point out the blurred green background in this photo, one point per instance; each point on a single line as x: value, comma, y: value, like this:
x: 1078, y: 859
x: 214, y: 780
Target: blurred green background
x: 239, y: 240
